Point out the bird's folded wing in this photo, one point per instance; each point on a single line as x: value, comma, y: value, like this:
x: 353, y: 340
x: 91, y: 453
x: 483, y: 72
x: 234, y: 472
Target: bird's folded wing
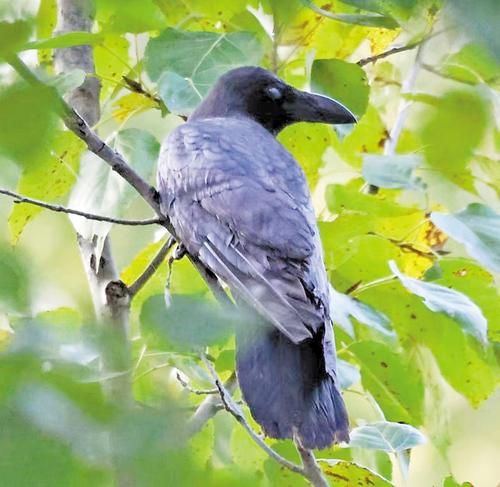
x: 249, y: 232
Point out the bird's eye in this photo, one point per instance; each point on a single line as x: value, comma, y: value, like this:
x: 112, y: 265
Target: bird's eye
x: 274, y: 93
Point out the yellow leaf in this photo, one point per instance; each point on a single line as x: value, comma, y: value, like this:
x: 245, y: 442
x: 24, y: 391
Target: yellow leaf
x: 131, y: 104
x: 380, y: 39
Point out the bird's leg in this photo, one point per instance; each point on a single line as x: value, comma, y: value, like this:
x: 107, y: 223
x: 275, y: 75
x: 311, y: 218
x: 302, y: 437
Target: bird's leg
x: 179, y: 252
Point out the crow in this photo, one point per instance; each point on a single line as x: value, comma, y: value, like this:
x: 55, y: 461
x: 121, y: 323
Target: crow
x: 239, y: 202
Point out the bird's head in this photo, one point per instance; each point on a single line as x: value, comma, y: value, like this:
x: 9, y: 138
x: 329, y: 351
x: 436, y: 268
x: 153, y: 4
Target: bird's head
x: 259, y: 94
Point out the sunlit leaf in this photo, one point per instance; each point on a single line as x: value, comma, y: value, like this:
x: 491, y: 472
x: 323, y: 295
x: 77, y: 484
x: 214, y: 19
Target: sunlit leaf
x: 341, y: 198
x: 453, y: 303
x: 461, y: 360
x: 307, y: 143
x: 347, y: 474
x: 386, y: 436
x: 130, y: 105
x: 394, y: 381
x: 69, y: 39
x: 124, y: 16
x: 111, y: 57
x: 46, y: 21
x: 47, y: 181
x: 343, y: 81
x: 478, y: 228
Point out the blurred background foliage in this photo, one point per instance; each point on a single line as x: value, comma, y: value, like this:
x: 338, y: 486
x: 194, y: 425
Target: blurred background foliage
x: 409, y: 207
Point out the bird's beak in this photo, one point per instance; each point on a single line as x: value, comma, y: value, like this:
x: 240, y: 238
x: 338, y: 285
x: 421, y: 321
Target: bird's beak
x: 311, y: 107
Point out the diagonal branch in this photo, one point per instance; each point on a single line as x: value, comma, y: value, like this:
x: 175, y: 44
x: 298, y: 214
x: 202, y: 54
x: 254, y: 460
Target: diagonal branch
x: 209, y: 407
x: 396, y: 50
x: 309, y: 469
x: 136, y: 286
x: 79, y: 127
x: 19, y: 198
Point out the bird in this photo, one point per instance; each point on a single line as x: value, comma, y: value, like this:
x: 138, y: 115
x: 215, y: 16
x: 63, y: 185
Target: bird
x: 239, y: 202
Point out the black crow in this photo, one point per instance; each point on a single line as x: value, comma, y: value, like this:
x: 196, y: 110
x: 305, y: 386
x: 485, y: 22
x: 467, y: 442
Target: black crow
x: 240, y: 203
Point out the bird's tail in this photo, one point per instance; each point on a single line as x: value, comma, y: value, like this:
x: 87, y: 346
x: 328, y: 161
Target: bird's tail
x: 287, y: 388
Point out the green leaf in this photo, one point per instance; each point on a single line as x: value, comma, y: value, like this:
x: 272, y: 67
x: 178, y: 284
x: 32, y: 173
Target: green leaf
x: 14, y: 287
x: 451, y: 482
x: 466, y: 276
x: 47, y: 181
x: 13, y: 36
x: 345, y: 198
x: 347, y: 373
x: 111, y: 57
x: 198, y: 57
x: 387, y: 436
x: 461, y: 360
x: 189, y: 323
x: 369, y: 20
x: 46, y: 20
x: 68, y: 39
x: 472, y: 64
x: 27, y: 114
x: 124, y: 16
x: 343, y: 81
x: 394, y: 8
x: 442, y: 299
x: 395, y: 172
x: 347, y: 474
x: 344, y: 306
x: 394, y: 382
x: 454, y: 128
x: 307, y: 143
x: 478, y: 229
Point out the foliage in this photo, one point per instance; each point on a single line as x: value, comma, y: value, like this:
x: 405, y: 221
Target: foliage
x: 414, y: 265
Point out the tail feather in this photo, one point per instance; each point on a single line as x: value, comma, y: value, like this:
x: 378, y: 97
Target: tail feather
x: 288, y: 389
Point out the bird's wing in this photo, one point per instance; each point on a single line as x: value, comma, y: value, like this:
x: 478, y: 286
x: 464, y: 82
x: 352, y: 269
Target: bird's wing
x: 239, y: 201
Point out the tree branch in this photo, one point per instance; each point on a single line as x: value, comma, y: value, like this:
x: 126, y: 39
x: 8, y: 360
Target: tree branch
x: 136, y: 286
x: 209, y: 407
x: 198, y: 392
x: 396, y: 50
x: 309, y: 469
x: 310, y: 466
x: 19, y: 198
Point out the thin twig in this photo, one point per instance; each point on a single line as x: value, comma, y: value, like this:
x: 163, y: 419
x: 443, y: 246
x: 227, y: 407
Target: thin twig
x: 231, y: 407
x: 136, y: 286
x: 390, y: 52
x: 396, y: 50
x: 19, y: 198
x: 209, y: 407
x: 198, y: 392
